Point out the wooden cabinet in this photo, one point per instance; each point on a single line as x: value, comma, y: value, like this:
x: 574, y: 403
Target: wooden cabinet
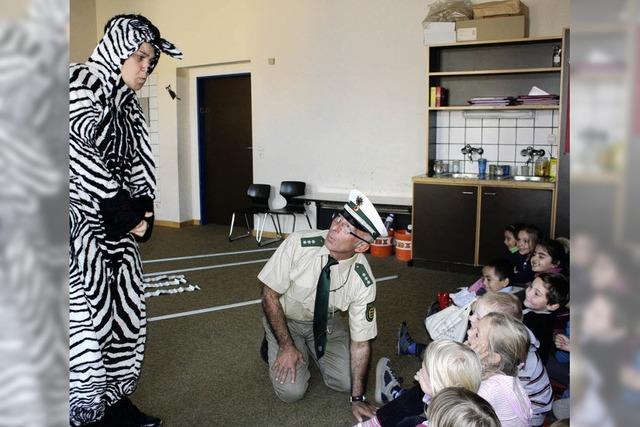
x: 444, y: 223
x: 464, y: 224
x: 503, y: 206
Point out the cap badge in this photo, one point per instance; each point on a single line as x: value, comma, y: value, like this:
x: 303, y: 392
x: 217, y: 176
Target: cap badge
x: 359, y: 201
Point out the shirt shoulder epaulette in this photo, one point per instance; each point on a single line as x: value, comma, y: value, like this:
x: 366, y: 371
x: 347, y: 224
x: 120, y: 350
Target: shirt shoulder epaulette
x: 361, y: 270
x: 311, y: 241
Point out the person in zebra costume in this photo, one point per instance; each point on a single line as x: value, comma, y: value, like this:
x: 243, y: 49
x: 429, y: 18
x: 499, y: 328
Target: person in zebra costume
x: 111, y: 188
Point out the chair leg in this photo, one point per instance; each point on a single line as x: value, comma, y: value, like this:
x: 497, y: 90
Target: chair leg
x: 308, y: 220
x: 261, y: 231
x: 293, y: 228
x: 242, y: 236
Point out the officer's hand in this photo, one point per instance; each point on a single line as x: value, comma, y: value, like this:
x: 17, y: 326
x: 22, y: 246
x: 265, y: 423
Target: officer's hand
x: 286, y: 362
x: 363, y: 410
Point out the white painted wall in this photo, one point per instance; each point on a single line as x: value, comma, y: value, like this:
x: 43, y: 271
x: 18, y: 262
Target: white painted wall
x: 343, y: 106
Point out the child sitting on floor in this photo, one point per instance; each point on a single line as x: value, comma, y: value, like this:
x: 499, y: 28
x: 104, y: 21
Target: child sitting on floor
x: 502, y: 342
x: 543, y: 297
x: 528, y: 237
x: 533, y: 375
x: 549, y: 256
x: 496, y: 277
x: 459, y: 407
x: 446, y: 364
x: 511, y: 237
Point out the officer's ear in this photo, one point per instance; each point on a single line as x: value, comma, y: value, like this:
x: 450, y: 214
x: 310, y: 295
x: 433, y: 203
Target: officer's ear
x: 361, y: 247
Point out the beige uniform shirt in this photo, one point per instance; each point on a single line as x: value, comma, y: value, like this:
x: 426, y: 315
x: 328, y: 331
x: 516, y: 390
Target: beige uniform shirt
x: 293, y: 271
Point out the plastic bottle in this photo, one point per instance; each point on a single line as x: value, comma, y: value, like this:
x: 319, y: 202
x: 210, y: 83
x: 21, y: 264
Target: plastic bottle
x: 388, y: 223
x: 557, y: 52
x: 553, y: 167
x: 538, y: 169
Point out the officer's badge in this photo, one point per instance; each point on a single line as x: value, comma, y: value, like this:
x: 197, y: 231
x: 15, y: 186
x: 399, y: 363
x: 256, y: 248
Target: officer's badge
x: 370, y: 313
x: 359, y: 201
x: 362, y: 272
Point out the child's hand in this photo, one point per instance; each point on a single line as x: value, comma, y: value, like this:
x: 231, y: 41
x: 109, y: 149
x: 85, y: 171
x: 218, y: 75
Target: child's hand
x: 562, y: 342
x: 423, y: 379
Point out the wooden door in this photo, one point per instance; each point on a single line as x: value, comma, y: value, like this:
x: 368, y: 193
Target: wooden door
x: 225, y: 143
x: 444, y: 223
x: 503, y: 206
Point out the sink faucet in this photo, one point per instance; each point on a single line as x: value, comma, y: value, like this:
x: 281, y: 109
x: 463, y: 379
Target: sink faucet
x: 531, y: 153
x: 468, y: 150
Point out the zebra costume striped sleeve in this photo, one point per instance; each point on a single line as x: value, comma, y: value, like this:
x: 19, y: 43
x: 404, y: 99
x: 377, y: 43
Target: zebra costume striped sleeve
x: 111, y: 173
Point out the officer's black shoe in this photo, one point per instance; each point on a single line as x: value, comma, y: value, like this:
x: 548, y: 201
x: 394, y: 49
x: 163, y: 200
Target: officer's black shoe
x: 264, y: 350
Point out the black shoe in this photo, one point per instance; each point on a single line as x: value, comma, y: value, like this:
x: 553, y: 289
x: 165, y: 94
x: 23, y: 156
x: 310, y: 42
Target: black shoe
x: 125, y: 414
x: 264, y: 349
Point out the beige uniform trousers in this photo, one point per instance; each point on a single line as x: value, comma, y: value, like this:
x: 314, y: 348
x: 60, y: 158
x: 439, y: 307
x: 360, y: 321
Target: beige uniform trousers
x: 335, y: 365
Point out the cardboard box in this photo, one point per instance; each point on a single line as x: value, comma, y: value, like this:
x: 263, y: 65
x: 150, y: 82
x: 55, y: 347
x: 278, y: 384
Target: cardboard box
x: 497, y: 28
x: 439, y: 32
x: 500, y: 8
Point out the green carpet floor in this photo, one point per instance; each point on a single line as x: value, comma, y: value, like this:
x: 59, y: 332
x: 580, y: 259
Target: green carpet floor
x: 205, y: 369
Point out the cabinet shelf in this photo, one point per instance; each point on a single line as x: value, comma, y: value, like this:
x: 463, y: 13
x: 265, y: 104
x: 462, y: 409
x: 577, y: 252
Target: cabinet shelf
x: 497, y: 71
x: 499, y: 42
x: 506, y: 107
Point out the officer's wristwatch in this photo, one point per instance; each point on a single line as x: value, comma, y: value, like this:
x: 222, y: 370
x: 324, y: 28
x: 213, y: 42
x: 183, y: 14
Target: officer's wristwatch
x: 361, y: 398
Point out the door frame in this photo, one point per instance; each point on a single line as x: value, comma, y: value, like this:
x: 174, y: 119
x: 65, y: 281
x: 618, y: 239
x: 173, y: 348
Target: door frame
x: 201, y: 145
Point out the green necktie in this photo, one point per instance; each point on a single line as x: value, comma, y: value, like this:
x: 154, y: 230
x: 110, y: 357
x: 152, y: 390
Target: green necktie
x: 321, y: 309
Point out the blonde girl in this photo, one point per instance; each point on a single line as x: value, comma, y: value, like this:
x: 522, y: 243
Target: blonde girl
x: 459, y: 407
x: 446, y: 364
x: 502, y: 342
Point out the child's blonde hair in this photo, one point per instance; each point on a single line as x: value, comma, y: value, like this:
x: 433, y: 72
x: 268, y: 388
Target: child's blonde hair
x: 452, y: 364
x: 459, y: 407
x: 508, y: 338
x: 502, y: 302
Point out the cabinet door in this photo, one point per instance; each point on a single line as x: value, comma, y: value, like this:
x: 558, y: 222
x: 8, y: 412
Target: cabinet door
x: 444, y: 222
x: 503, y: 206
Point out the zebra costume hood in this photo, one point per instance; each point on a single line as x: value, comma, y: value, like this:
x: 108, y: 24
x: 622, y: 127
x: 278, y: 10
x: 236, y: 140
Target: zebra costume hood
x: 123, y: 35
x: 111, y: 188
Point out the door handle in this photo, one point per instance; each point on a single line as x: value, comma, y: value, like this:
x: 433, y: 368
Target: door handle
x: 489, y: 194
x: 469, y: 193
x: 249, y: 148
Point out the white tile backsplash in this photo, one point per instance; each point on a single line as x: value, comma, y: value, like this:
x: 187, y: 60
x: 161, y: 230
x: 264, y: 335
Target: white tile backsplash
x: 490, y: 153
x: 454, y: 152
x: 442, y: 136
x: 541, y: 136
x: 544, y: 118
x: 507, y: 136
x: 442, y: 151
x: 456, y: 119
x: 473, y: 136
x: 524, y: 136
x: 474, y: 123
x: 501, y: 139
x: 507, y: 153
x: 489, y: 135
x: 525, y: 123
x: 442, y: 119
x: 456, y: 135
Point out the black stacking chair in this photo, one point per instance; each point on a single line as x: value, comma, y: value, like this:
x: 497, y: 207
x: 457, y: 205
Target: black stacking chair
x: 259, y: 195
x: 289, y: 190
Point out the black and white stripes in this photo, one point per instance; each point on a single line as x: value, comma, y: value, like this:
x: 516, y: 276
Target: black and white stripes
x: 109, y: 153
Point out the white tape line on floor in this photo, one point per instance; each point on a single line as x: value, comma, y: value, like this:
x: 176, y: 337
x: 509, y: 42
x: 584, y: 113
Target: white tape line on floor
x: 207, y: 267
x: 225, y: 307
x: 151, y: 261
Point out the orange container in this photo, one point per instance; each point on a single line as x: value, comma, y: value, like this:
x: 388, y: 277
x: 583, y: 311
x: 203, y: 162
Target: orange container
x: 382, y: 246
x: 403, y: 245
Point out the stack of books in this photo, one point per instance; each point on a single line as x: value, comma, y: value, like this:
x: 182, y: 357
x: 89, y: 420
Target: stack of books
x: 538, y: 99
x: 492, y: 101
x: 437, y: 96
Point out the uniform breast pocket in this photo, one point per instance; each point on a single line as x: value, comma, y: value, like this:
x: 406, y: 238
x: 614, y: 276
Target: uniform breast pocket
x: 301, y: 293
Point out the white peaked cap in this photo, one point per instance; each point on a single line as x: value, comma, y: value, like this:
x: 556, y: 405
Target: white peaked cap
x: 363, y: 211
